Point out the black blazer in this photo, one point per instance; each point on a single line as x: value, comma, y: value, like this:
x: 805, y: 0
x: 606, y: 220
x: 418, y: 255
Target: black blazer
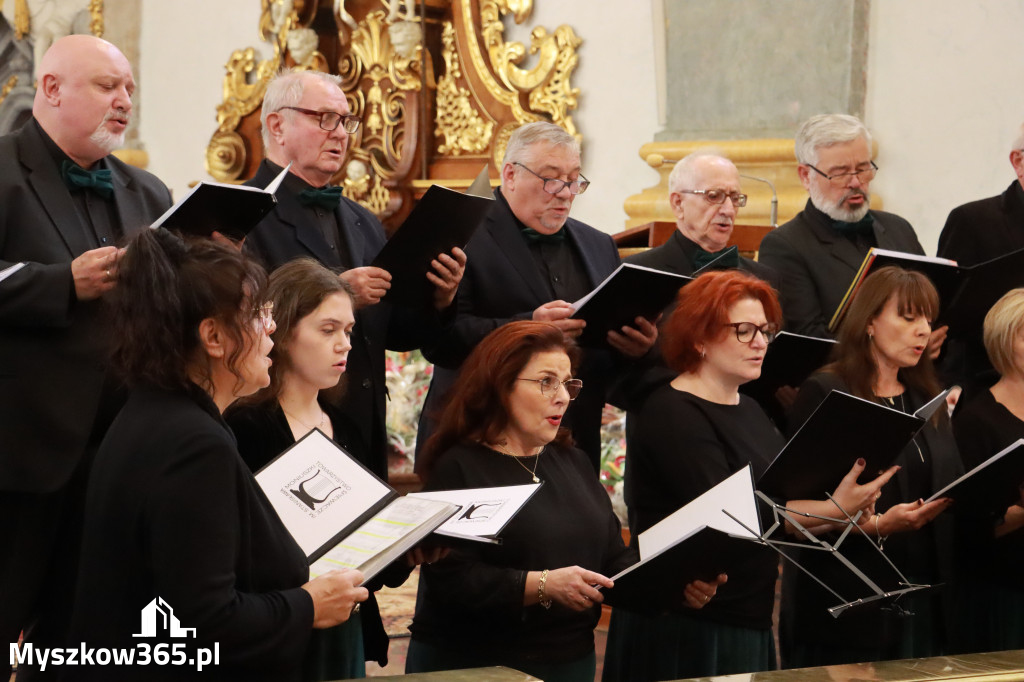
x: 284, y: 235
x: 502, y: 283
x: 985, y: 229
x: 52, y: 347
x: 173, y: 512
x: 672, y: 257
x: 818, y: 264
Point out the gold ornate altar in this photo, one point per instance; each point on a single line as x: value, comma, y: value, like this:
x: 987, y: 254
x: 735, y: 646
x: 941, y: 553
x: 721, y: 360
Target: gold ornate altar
x: 438, y: 87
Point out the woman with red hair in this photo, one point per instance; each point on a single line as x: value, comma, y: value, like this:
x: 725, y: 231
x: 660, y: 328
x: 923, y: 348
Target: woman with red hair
x: 530, y: 603
x: 692, y: 434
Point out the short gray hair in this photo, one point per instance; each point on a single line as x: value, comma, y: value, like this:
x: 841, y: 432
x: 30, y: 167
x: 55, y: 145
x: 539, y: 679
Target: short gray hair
x: 682, y: 175
x: 1018, y: 142
x: 286, y: 90
x: 825, y: 130
x: 539, y: 131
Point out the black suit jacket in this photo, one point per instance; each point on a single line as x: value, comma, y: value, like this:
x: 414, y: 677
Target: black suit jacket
x: 672, y: 257
x: 173, y: 512
x: 502, y: 283
x: 818, y: 264
x: 51, y: 345
x: 985, y: 229
x: 286, y: 234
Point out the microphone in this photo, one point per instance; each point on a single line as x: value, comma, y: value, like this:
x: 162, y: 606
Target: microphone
x: 775, y: 199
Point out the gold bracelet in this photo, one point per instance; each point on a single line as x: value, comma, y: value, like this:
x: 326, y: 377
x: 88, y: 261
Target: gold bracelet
x: 542, y: 596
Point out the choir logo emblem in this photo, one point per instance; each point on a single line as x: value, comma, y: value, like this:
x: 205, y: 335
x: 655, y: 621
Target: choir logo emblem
x: 318, y: 488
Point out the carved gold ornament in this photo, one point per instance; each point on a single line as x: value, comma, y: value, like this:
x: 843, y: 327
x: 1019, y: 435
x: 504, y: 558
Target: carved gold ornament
x: 8, y: 86
x: 458, y: 122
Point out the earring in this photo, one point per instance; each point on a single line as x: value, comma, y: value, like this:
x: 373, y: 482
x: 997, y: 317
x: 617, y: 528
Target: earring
x: 702, y: 353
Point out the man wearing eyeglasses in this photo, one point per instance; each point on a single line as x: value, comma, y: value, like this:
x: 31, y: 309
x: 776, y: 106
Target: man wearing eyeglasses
x: 704, y: 192
x: 306, y: 122
x: 530, y: 260
x: 819, y: 251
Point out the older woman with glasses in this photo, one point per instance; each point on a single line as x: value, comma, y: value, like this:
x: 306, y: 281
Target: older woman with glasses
x: 530, y: 603
x: 690, y: 435
x: 882, y: 356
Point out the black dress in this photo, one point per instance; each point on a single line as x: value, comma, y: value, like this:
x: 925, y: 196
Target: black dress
x: 996, y: 613
x: 808, y: 634
x: 173, y: 513
x: 263, y: 433
x: 684, y: 445
x: 469, y: 611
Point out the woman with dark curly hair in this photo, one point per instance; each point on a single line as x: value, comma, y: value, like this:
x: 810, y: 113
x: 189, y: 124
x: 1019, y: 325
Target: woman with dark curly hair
x: 174, y: 519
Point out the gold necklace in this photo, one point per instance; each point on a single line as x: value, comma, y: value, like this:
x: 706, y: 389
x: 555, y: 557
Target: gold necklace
x: 518, y: 459
x: 323, y: 417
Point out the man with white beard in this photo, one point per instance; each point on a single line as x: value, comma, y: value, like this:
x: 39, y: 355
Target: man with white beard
x: 819, y: 251
x: 64, y: 205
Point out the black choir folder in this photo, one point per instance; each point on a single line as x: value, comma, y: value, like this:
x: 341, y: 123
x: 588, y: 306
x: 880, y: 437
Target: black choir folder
x: 789, y: 360
x: 965, y: 293
x: 631, y: 291
x: 441, y: 220
x: 842, y: 429
x: 992, y: 486
x: 232, y: 210
x: 697, y: 542
x: 342, y: 516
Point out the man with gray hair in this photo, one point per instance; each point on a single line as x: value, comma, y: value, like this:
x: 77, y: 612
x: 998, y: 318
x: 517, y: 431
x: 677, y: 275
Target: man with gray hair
x: 530, y: 260
x: 704, y: 192
x: 819, y: 252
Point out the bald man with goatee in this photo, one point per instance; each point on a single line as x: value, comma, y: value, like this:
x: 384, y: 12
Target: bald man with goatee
x: 65, y: 203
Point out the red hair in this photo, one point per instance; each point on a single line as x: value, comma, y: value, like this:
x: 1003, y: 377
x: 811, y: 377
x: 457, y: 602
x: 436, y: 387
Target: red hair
x: 702, y: 313
x: 477, y: 406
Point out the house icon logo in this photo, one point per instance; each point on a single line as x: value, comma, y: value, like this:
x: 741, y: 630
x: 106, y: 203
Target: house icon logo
x: 158, y: 619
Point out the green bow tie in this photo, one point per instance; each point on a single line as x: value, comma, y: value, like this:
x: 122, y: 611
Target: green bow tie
x: 863, y: 226
x: 725, y: 259
x: 534, y: 237
x: 324, y: 197
x: 76, y: 178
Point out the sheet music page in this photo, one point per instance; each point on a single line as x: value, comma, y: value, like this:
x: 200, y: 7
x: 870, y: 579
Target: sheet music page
x: 735, y: 494
x: 393, y: 523
x: 7, y: 272
x: 317, y: 490
x: 484, y: 511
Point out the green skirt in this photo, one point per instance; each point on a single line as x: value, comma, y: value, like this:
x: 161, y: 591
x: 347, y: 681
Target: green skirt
x: 336, y: 653
x: 676, y: 646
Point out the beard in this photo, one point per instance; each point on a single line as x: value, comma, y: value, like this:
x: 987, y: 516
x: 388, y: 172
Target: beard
x: 106, y: 140
x: 836, y: 210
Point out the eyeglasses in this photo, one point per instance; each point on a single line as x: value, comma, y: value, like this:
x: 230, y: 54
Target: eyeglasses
x: 265, y: 314
x: 841, y: 179
x: 549, y: 386
x: 745, y: 331
x: 554, y: 185
x: 718, y: 196
x: 329, y: 120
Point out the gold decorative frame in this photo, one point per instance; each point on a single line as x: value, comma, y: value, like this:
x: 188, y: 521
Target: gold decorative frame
x: 421, y: 124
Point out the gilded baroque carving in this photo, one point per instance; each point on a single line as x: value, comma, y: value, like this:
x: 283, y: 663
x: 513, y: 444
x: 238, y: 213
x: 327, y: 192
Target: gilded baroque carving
x: 8, y: 86
x: 96, y: 17
x: 462, y: 127
x: 373, y: 67
x: 547, y: 83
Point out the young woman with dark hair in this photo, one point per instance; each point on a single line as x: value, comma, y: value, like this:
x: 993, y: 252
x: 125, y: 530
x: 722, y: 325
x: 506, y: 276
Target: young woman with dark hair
x: 174, y: 519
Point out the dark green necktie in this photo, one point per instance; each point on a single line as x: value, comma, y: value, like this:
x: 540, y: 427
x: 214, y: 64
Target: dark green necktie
x: 863, y: 226
x: 76, y: 178
x: 324, y: 197
x: 725, y: 259
x: 534, y: 237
